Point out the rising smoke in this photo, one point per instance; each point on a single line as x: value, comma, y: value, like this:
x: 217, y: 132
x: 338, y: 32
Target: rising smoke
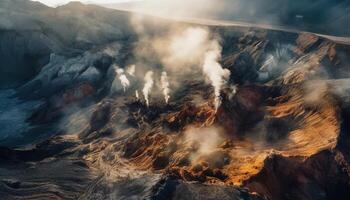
x: 131, y: 70
x: 179, y: 50
x: 125, y: 82
x: 165, y: 86
x: 214, y: 71
x: 137, y: 94
x: 206, y: 139
x: 122, y: 77
x: 148, y: 86
x: 187, y: 50
x: 194, y: 46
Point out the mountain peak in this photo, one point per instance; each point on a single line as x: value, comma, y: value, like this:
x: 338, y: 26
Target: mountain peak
x: 73, y: 4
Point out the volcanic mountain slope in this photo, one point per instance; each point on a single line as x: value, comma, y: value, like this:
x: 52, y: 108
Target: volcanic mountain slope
x: 280, y: 132
x: 31, y: 31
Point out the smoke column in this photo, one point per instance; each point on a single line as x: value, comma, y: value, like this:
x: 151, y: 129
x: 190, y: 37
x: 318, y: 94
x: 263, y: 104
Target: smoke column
x: 137, y: 95
x: 123, y: 79
x: 214, y: 71
x: 125, y: 82
x: 148, y: 86
x: 165, y: 86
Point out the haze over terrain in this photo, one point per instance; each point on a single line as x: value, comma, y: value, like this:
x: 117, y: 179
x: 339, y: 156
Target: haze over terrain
x: 54, y: 3
x: 99, y: 103
x: 324, y: 16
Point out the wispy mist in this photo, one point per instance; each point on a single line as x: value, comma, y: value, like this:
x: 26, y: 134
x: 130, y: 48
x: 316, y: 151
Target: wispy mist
x: 326, y: 16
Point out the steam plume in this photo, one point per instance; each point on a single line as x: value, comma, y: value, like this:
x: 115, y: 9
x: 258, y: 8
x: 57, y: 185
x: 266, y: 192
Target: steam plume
x: 125, y: 82
x: 194, y: 47
x: 165, y: 86
x: 131, y: 70
x: 186, y: 50
x: 208, y: 139
x: 137, y: 95
x: 123, y: 79
x: 148, y: 86
x: 214, y: 71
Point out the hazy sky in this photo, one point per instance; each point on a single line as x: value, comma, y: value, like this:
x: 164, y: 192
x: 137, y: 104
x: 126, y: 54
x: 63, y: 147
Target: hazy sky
x: 60, y: 2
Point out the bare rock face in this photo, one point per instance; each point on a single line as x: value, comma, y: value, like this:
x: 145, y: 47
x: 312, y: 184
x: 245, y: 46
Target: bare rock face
x: 169, y: 188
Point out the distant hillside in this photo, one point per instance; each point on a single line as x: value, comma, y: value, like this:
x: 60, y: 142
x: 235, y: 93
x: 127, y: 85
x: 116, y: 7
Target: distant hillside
x: 31, y: 31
